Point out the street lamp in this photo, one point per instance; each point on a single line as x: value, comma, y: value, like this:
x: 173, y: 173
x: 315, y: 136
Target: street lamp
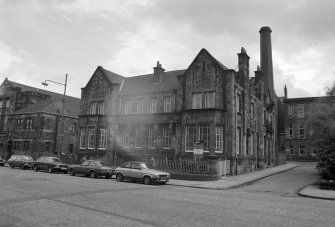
x: 58, y: 144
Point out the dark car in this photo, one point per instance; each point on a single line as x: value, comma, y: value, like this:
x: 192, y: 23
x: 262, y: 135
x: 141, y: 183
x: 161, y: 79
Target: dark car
x: 22, y: 161
x: 51, y: 164
x: 93, y: 169
x: 139, y: 171
x: 2, y: 162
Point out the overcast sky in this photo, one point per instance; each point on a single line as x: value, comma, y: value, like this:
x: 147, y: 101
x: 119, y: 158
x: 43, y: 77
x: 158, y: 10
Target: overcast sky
x: 45, y: 39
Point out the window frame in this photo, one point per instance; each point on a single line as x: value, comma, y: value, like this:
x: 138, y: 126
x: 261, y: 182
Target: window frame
x: 91, y: 138
x: 102, y: 139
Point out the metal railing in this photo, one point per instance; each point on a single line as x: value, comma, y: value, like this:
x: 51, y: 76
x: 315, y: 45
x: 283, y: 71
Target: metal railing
x: 182, y: 166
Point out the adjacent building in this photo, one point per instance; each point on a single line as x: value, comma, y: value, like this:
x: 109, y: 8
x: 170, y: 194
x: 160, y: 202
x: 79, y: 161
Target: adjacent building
x: 32, y: 122
x: 203, y: 111
x: 299, y: 137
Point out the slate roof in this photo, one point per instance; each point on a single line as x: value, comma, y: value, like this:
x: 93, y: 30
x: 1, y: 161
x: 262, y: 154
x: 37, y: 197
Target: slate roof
x: 112, y: 77
x: 53, y: 95
x: 144, y: 83
x: 53, y: 106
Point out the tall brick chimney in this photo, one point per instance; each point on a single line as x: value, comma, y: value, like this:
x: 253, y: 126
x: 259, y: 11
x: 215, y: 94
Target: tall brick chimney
x: 158, y: 73
x: 266, y: 59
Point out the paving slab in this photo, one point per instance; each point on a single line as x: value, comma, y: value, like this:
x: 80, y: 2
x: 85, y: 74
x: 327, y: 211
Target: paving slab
x: 233, y: 181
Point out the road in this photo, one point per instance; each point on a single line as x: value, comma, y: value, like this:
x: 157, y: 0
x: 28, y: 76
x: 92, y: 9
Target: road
x: 29, y: 198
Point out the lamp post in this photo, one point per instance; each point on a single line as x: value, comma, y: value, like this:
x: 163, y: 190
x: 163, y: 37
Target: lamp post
x: 58, y: 144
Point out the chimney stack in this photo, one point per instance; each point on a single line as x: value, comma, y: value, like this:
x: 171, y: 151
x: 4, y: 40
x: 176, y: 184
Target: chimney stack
x: 158, y: 73
x: 243, y: 66
x: 266, y: 59
x: 285, y: 92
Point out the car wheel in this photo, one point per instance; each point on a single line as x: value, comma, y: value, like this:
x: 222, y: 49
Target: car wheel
x: 50, y: 170
x: 11, y: 166
x: 21, y: 166
x: 108, y: 176
x: 119, y: 177
x: 72, y: 173
x: 93, y: 174
x: 162, y: 182
x: 35, y: 168
x: 147, y: 180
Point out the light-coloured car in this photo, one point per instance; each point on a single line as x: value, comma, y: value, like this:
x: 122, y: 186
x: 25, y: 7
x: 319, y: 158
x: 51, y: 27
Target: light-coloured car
x: 138, y: 171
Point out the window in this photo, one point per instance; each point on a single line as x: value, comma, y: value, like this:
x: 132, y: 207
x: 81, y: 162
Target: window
x: 139, y: 106
x: 190, y: 137
x: 127, y: 106
x: 1, y: 103
x: 290, y: 129
x: 290, y: 110
x: 197, y: 101
x: 47, y: 146
x: 291, y: 150
x: 103, y: 139
x: 73, y: 128
x: 301, y: 113
x: 302, y: 150
x: 153, y: 105
x: 238, y: 103
x: 127, y: 141
x: 139, y: 137
x: 82, y: 138
x: 252, y: 143
x: 301, y: 132
x: 29, y: 123
x: 91, y: 138
x: 238, y: 140
x: 26, y: 145
x: 151, y: 138
x: 19, y: 124
x: 101, y: 108
x: 166, y: 138
x: 7, y: 103
x: 93, y: 108
x: 209, y: 99
x: 204, y: 136
x: 167, y: 104
x: 252, y: 110
x: 219, y: 139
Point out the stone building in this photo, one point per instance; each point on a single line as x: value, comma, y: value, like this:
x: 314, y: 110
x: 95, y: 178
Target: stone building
x: 299, y: 141
x: 30, y: 121
x: 227, y: 114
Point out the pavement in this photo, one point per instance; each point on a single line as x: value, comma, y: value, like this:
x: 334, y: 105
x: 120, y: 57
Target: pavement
x: 312, y: 191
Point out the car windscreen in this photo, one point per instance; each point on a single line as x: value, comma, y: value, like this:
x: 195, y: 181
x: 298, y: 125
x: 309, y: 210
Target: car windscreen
x: 144, y: 166
x: 55, y: 160
x: 26, y: 158
x: 99, y: 163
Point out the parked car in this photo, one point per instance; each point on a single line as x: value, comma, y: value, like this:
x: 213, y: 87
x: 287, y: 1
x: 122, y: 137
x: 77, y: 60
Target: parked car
x: 139, y: 171
x: 2, y: 162
x: 22, y: 161
x: 93, y: 169
x: 51, y: 164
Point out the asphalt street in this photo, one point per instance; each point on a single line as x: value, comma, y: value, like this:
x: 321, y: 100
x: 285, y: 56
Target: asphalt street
x: 29, y: 198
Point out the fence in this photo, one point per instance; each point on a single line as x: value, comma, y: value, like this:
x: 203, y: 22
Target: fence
x: 182, y: 166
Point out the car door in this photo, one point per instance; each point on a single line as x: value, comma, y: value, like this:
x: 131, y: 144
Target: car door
x: 135, y: 171
x: 92, y: 166
x: 125, y: 170
x: 82, y: 169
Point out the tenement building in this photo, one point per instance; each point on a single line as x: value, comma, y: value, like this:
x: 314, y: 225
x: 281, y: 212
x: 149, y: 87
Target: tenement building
x: 32, y: 122
x: 206, y: 109
x: 300, y: 137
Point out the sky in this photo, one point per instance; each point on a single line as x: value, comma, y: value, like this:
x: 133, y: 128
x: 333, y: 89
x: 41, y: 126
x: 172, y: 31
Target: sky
x: 46, y: 39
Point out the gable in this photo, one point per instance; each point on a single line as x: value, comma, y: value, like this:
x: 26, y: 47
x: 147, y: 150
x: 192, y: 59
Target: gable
x: 202, y: 72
